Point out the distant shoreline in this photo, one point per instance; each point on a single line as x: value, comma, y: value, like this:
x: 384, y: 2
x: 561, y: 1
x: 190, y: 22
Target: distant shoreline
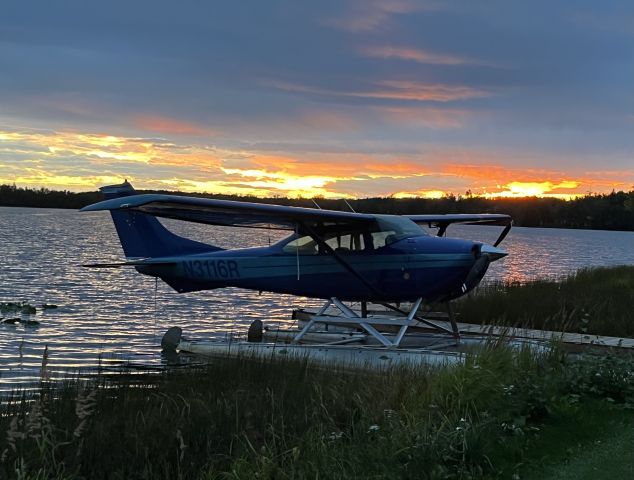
x: 613, y: 211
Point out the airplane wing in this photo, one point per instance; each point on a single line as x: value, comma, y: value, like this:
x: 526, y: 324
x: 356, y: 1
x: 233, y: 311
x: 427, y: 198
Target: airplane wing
x: 465, y: 218
x: 443, y: 221
x: 260, y: 215
x: 228, y: 212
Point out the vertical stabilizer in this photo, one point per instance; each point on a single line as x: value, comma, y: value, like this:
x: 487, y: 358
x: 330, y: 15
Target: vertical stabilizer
x: 142, y: 235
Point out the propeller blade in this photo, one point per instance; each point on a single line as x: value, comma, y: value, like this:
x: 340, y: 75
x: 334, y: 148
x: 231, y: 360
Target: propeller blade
x: 476, y: 273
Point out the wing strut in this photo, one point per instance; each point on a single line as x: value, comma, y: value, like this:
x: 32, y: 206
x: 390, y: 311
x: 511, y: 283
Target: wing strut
x: 504, y: 233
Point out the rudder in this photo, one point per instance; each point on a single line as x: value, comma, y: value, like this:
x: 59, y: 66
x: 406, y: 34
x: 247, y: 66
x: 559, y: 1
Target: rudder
x: 143, y: 236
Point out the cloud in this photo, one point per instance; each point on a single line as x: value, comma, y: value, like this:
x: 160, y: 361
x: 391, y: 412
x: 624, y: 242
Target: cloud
x: 86, y: 160
x: 424, y: 92
x: 427, y: 117
x: 346, y: 166
x: 413, y: 54
x: 375, y: 77
x: 170, y: 126
x: 536, y: 189
x: 327, y: 120
x: 369, y: 15
x: 393, y: 90
x: 421, y: 194
x: 62, y: 182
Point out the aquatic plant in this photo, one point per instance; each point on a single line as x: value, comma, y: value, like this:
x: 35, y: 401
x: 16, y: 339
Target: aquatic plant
x: 17, y: 307
x: 593, y: 301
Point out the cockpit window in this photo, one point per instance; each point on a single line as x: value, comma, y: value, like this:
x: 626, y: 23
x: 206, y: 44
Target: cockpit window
x: 340, y: 241
x: 392, y: 228
x: 303, y: 245
x: 386, y: 230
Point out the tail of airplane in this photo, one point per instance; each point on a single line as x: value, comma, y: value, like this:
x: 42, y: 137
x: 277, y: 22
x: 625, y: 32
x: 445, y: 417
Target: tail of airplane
x: 143, y: 235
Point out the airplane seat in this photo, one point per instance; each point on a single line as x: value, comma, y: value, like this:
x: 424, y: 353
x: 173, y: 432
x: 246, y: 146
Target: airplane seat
x: 390, y: 239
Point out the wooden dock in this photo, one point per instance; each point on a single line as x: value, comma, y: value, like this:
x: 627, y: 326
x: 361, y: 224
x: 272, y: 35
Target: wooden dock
x: 470, y: 329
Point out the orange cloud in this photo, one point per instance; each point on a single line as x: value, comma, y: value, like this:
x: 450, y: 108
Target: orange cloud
x: 370, y: 15
x: 394, y: 90
x: 420, y: 194
x: 343, y: 166
x: 536, y: 189
x: 110, y: 148
x: 436, y: 92
x: 87, y: 160
x: 412, y: 54
x: 491, y: 180
x: 33, y: 176
x: 170, y: 126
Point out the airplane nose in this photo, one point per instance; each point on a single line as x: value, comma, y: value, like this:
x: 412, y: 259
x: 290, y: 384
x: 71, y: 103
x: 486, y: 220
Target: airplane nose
x: 492, y: 252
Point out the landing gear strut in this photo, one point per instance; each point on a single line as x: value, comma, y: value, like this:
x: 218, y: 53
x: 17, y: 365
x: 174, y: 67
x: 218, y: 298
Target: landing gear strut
x: 352, y: 318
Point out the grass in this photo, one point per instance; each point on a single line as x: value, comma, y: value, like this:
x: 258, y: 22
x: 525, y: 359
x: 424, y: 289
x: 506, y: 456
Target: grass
x: 502, y: 414
x: 594, y: 301
x: 248, y: 419
x: 599, y: 446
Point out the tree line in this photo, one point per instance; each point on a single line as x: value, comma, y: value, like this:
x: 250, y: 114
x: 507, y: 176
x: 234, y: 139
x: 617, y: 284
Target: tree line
x: 611, y: 211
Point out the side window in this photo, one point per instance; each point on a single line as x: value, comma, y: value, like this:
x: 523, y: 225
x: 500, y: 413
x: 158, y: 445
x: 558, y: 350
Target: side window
x: 382, y: 239
x: 302, y: 246
x: 350, y: 242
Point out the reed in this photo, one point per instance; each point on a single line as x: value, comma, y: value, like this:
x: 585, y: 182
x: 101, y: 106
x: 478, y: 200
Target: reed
x: 286, y: 419
x: 595, y: 301
x: 496, y: 416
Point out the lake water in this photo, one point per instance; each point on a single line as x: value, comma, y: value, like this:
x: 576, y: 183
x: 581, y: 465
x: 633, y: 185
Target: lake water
x: 110, y: 317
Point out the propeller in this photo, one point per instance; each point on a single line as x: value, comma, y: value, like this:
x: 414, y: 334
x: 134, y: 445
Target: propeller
x: 485, y: 254
x: 476, y: 273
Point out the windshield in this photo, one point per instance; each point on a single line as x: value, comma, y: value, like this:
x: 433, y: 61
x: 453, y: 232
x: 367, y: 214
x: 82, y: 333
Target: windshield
x: 401, y: 226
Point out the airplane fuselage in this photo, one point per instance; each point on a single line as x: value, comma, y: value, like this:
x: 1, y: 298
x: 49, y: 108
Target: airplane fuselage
x: 410, y: 268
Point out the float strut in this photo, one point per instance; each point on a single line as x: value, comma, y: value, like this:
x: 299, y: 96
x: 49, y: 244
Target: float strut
x: 452, y: 320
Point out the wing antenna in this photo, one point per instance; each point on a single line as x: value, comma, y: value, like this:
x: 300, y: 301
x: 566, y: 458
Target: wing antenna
x: 315, y: 202
x: 297, y: 248
x: 349, y: 206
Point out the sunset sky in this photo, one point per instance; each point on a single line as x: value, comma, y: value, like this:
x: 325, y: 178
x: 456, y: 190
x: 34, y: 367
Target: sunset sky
x: 337, y: 98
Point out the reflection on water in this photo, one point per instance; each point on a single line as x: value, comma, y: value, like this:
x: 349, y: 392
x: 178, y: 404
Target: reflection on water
x: 108, y: 317
x: 551, y: 252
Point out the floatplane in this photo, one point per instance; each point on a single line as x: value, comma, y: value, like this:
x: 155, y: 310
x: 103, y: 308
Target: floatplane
x: 344, y: 258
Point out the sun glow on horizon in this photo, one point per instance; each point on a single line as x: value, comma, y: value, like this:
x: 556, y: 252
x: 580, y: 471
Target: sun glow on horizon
x: 82, y: 161
x: 518, y: 189
x: 421, y: 194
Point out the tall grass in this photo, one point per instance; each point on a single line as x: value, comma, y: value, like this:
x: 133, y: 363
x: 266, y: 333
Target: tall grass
x: 276, y: 420
x: 594, y: 301
x: 237, y: 419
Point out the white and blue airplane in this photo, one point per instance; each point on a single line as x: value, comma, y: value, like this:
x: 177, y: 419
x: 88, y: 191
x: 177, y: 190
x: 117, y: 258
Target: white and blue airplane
x: 329, y: 254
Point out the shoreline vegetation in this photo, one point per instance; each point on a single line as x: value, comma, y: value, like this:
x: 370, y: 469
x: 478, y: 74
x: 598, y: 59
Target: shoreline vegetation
x: 503, y: 414
x: 613, y: 211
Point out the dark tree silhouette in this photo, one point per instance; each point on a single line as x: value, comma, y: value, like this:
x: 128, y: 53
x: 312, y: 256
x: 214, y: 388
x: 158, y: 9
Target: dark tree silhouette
x: 612, y: 211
